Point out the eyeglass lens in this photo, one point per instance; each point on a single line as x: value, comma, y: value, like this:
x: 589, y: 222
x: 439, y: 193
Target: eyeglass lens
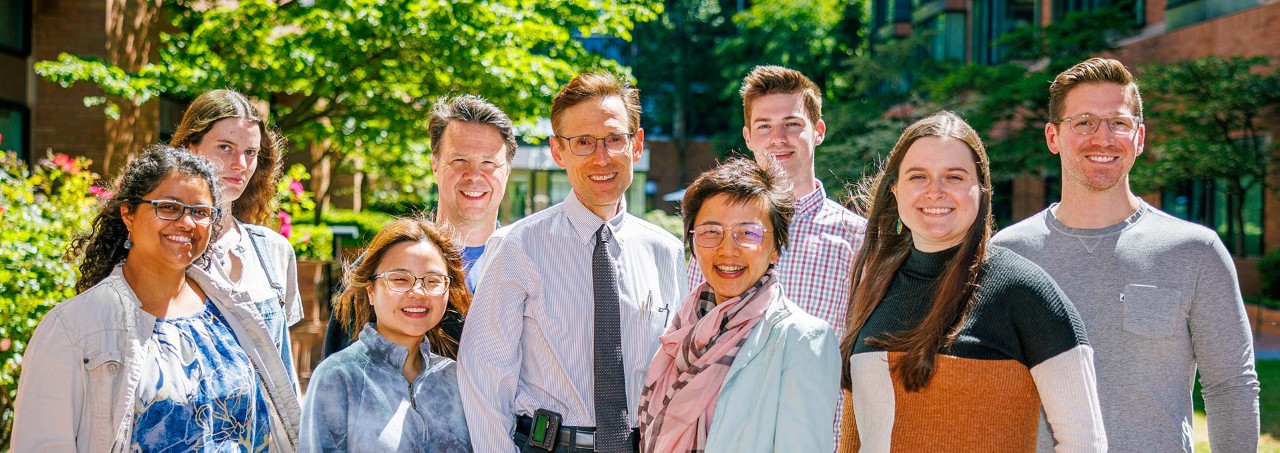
x: 1088, y: 124
x: 584, y: 145
x: 745, y: 234
x: 172, y: 210
x: 403, y: 282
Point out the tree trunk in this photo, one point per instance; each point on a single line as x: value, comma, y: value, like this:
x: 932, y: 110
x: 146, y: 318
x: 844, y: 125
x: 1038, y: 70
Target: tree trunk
x: 321, y: 167
x: 132, y: 35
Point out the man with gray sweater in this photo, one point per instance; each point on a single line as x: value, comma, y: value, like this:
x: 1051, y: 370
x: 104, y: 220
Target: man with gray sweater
x: 1158, y: 296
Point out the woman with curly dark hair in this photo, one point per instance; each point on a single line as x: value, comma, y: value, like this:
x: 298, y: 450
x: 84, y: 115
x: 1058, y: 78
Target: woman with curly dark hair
x: 397, y: 294
x: 152, y: 354
x: 223, y: 126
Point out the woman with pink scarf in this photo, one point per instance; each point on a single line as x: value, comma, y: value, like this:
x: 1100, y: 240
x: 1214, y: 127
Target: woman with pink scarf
x: 741, y: 367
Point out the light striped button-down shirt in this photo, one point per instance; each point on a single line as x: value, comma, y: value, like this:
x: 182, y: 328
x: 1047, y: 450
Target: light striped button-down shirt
x: 815, y: 270
x: 529, y: 336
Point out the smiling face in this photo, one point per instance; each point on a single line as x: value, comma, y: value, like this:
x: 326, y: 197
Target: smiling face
x: 600, y: 179
x: 232, y: 143
x: 731, y: 269
x: 1097, y: 162
x: 938, y: 192
x: 779, y: 129
x: 472, y: 169
x: 404, y: 318
x: 171, y: 244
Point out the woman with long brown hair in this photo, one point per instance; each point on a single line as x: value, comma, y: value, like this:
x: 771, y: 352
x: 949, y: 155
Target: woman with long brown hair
x: 223, y: 126
x: 954, y: 345
x: 393, y: 390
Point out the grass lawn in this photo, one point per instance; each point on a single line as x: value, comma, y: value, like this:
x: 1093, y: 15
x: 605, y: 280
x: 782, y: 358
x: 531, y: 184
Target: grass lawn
x: 1269, y: 406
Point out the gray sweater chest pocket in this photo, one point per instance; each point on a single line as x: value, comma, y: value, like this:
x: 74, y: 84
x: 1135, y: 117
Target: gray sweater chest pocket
x: 1153, y: 312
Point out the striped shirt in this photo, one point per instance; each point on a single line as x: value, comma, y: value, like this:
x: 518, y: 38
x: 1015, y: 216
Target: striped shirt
x: 815, y: 270
x: 529, y: 336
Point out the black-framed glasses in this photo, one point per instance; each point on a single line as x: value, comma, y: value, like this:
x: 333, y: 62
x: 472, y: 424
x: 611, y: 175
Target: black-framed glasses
x: 403, y: 282
x: 1087, y: 123
x: 710, y: 235
x: 201, y: 214
x: 584, y: 145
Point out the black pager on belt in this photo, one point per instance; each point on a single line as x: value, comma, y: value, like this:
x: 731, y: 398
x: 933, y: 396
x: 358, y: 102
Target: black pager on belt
x: 545, y: 430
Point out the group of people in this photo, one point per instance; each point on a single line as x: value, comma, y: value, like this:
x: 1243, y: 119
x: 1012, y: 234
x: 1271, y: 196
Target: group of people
x: 784, y: 322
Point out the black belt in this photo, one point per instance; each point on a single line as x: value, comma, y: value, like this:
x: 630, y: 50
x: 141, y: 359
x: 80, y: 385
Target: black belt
x: 570, y: 436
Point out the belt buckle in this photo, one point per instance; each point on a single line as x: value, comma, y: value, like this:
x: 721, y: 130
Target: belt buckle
x: 545, y: 430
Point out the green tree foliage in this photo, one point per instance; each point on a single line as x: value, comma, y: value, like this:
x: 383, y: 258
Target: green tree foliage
x: 878, y: 92
x: 42, y: 209
x: 352, y: 79
x: 1204, y: 121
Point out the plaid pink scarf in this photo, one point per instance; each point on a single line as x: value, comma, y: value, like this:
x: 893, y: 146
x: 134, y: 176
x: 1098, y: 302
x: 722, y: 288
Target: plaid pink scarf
x: 686, y: 375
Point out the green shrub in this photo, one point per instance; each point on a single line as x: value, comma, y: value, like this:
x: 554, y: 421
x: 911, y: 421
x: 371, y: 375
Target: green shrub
x: 42, y: 209
x: 369, y: 223
x: 672, y: 223
x: 313, y: 242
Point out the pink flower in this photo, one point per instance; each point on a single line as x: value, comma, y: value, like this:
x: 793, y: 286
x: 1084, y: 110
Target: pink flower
x: 64, y: 161
x: 100, y: 192
x: 306, y: 239
x: 3, y: 209
x: 5, y: 344
x: 296, y: 187
x: 286, y: 223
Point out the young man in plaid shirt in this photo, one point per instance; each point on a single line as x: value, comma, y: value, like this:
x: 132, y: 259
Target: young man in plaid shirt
x: 783, y: 113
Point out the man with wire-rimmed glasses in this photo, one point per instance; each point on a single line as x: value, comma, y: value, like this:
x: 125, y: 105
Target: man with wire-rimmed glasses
x: 571, y: 302
x: 1158, y: 296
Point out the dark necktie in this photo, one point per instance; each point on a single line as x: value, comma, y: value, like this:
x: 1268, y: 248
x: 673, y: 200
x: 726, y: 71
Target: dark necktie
x: 612, y: 433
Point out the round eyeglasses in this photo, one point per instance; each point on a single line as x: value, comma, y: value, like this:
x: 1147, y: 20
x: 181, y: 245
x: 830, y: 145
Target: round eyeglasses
x: 171, y: 210
x: 403, y: 282
x: 710, y: 235
x: 584, y: 145
x: 1086, y: 123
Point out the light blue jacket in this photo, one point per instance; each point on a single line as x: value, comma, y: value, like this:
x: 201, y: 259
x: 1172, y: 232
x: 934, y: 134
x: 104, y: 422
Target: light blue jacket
x: 781, y: 393
x: 359, y: 400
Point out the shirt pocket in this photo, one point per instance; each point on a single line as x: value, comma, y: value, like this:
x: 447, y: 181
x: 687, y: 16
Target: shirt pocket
x: 105, y: 369
x: 273, y: 316
x: 1153, y: 312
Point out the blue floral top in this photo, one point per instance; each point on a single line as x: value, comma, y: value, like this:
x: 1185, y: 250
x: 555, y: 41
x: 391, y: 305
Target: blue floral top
x: 358, y: 400
x: 201, y: 392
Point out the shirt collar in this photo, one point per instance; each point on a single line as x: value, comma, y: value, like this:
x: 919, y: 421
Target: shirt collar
x: 382, y: 349
x: 811, y: 203
x: 585, y: 223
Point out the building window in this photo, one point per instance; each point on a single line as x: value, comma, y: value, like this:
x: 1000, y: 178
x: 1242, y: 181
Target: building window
x: 992, y: 19
x: 1137, y: 7
x: 15, y: 27
x: 1002, y: 203
x: 1206, y: 202
x: 14, y: 119
x: 948, y: 36
x: 171, y: 110
x: 1181, y: 13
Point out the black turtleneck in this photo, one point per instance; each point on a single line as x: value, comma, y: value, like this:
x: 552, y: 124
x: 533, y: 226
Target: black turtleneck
x: 1019, y: 312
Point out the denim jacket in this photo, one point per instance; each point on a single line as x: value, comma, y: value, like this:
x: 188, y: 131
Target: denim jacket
x: 359, y: 400
x: 81, y: 369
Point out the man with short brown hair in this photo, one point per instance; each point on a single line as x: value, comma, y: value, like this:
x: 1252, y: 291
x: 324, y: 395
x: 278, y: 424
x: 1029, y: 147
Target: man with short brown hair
x: 1158, y: 296
x: 782, y: 110
x: 571, y: 302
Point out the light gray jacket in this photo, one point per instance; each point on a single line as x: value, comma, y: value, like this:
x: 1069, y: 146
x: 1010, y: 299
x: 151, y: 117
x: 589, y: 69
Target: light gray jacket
x: 81, y: 369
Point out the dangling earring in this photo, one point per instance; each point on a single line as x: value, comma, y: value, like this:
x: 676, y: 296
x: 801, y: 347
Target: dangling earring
x: 899, y: 227
x: 128, y: 243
